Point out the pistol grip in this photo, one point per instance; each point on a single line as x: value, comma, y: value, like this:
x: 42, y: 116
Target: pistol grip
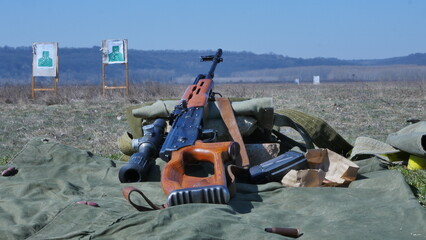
x: 174, y: 177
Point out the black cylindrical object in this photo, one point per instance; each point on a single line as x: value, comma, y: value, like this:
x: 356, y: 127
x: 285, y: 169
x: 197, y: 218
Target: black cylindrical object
x: 217, y: 58
x: 274, y: 170
x: 148, y: 146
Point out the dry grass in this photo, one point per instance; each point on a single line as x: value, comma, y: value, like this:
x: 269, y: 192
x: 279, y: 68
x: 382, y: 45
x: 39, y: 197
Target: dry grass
x: 372, y: 109
x: 77, y: 116
x: 81, y: 117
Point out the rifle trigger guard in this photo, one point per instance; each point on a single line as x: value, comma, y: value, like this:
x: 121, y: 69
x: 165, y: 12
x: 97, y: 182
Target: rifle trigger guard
x: 208, y: 135
x: 216, y: 93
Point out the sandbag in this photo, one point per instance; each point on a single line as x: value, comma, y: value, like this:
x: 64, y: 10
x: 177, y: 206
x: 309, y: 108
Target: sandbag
x: 410, y: 139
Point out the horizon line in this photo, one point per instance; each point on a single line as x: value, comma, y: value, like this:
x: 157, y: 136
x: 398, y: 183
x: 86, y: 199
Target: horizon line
x: 233, y: 51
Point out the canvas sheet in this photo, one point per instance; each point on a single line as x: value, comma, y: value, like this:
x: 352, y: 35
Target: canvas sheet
x: 40, y: 203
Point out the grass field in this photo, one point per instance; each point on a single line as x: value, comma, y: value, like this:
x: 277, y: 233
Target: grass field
x: 81, y: 117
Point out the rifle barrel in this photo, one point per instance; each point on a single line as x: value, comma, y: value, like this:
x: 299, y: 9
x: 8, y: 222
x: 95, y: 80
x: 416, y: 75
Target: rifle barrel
x: 216, y: 59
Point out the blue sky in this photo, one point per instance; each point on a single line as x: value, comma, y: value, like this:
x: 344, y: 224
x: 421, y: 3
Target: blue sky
x: 346, y: 29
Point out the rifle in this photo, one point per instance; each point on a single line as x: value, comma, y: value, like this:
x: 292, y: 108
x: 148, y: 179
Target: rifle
x: 188, y: 143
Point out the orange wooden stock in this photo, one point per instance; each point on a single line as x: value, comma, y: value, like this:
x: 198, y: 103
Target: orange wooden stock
x: 173, y: 176
x: 197, y: 95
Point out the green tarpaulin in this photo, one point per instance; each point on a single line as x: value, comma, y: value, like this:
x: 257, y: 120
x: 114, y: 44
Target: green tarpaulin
x: 40, y: 203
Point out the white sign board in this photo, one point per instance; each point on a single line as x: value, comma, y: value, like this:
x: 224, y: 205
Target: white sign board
x: 297, y: 81
x: 114, y: 51
x: 316, y: 79
x: 45, y: 59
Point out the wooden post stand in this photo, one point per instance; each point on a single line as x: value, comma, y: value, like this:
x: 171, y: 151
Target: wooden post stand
x: 34, y: 89
x: 105, y: 87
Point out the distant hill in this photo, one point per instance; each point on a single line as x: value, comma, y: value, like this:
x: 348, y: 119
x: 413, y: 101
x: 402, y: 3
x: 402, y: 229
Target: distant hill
x: 412, y: 59
x: 83, y: 66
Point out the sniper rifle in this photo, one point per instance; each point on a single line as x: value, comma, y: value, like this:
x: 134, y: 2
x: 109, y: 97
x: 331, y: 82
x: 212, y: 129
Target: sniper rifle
x: 188, y: 142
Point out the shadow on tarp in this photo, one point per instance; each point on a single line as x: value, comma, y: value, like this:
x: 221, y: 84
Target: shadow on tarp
x: 243, y: 200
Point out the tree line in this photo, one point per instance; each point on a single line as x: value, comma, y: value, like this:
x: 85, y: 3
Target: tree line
x: 83, y: 66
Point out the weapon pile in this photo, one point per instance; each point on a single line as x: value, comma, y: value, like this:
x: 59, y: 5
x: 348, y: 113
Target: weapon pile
x: 190, y: 143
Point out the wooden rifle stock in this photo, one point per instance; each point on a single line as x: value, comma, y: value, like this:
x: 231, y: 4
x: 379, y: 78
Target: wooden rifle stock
x: 174, y: 176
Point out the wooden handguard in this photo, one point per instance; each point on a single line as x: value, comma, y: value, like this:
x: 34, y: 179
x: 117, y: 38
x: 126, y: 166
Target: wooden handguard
x: 197, y: 95
x: 174, y: 177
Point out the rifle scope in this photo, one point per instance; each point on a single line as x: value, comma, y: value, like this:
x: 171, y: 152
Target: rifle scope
x: 137, y: 169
